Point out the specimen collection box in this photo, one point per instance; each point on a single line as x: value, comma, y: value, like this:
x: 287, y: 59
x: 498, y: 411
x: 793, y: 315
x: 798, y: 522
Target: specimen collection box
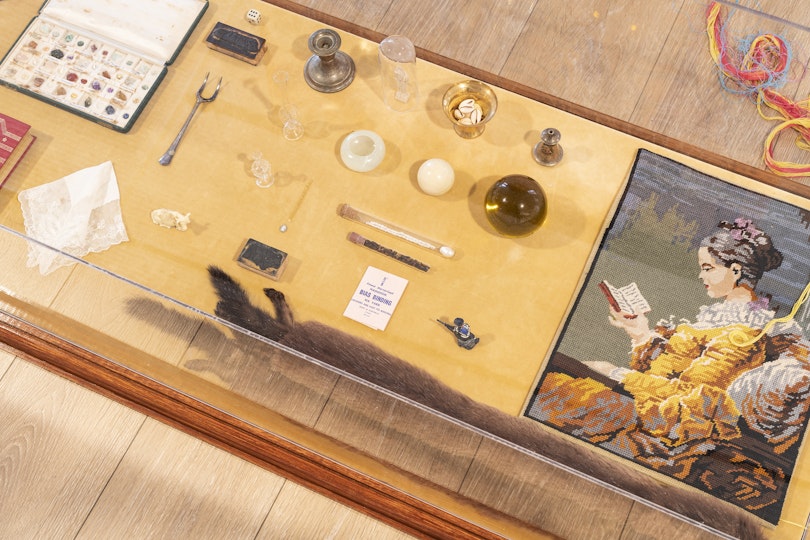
x: 100, y: 59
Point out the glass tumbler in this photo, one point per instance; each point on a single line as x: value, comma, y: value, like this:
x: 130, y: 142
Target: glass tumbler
x: 398, y: 72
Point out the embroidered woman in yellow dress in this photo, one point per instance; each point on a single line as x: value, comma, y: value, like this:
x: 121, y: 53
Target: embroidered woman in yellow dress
x: 680, y: 374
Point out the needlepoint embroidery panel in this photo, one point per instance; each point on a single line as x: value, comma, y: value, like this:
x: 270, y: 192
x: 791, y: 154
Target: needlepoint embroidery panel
x: 675, y: 355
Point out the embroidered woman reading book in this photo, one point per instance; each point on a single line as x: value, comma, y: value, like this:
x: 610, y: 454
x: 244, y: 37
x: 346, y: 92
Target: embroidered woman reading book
x: 681, y: 374
x: 690, y: 387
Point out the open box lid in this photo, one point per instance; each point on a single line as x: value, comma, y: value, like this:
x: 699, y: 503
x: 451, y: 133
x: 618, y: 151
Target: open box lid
x: 156, y: 28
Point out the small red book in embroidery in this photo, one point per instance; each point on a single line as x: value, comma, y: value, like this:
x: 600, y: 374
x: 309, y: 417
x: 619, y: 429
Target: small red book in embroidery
x: 627, y: 299
x: 12, y: 132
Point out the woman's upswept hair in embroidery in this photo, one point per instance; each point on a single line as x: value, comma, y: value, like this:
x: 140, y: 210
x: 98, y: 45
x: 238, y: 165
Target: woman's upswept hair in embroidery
x: 742, y: 242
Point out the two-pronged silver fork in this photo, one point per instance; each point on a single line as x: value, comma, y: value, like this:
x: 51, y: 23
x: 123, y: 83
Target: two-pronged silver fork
x: 166, y: 158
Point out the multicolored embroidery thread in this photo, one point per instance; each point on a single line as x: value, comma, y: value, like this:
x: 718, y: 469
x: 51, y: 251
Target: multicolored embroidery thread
x: 756, y: 67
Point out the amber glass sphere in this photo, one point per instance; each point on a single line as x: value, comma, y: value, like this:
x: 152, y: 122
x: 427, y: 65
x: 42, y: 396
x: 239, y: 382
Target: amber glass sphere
x: 516, y: 205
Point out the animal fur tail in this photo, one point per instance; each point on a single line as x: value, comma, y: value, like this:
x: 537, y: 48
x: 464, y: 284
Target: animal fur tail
x: 367, y: 361
x: 234, y: 305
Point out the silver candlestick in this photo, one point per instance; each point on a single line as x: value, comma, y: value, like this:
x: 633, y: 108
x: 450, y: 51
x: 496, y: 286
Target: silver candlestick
x: 329, y: 69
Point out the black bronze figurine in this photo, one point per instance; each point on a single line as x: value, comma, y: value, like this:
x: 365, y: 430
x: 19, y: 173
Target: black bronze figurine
x: 464, y: 337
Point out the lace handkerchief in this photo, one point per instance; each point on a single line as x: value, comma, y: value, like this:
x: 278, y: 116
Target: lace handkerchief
x: 77, y: 214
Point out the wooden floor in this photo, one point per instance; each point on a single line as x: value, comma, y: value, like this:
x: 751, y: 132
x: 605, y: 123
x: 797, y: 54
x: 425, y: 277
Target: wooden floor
x: 75, y: 464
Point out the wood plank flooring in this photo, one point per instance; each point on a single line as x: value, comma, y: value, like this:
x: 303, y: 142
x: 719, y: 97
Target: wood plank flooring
x: 76, y: 465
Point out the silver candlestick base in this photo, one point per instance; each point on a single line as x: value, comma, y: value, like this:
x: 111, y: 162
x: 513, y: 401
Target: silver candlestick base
x: 329, y: 69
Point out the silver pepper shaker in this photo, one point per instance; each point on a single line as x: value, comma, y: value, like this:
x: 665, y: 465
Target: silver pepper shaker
x: 548, y: 151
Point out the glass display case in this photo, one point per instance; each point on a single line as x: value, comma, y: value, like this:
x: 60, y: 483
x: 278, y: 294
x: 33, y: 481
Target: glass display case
x: 392, y: 417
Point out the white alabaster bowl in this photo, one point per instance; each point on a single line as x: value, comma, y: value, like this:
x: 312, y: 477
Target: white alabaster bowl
x: 435, y: 177
x: 362, y: 150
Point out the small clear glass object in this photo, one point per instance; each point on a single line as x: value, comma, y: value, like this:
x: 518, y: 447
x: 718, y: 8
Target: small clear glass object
x: 292, y: 128
x: 397, y: 57
x: 261, y: 170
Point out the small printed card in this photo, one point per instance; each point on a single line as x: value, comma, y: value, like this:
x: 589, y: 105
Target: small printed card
x: 376, y: 297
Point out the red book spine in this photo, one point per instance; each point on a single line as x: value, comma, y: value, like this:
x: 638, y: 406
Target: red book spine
x: 12, y: 132
x: 613, y: 303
